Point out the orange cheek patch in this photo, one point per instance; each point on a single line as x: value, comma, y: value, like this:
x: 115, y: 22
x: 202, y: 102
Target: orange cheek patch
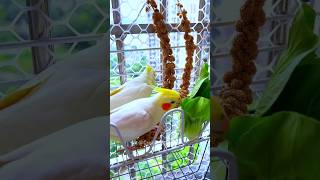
x: 166, y: 106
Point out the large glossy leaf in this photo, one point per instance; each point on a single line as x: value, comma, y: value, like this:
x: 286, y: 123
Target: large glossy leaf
x: 202, y: 85
x: 204, y: 71
x: 283, y: 146
x: 302, y: 42
x: 302, y: 92
x: 238, y: 126
x: 197, y: 111
x: 197, y: 108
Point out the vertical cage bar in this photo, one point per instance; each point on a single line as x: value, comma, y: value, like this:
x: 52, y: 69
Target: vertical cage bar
x: 163, y: 6
x: 202, y: 4
x: 38, y: 30
x: 119, y: 41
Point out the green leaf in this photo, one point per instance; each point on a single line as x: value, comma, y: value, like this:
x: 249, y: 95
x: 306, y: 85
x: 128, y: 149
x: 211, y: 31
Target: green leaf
x: 192, y: 129
x: 301, y: 94
x: 217, y: 165
x: 197, y: 111
x: 202, y: 85
x: 204, y: 73
x: 202, y: 89
x: 238, y: 126
x: 197, y: 108
x: 282, y: 146
x: 302, y: 42
x: 197, y: 87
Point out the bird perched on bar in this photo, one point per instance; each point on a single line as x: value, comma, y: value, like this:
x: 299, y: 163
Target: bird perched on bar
x: 139, y: 87
x: 69, y: 91
x: 140, y: 116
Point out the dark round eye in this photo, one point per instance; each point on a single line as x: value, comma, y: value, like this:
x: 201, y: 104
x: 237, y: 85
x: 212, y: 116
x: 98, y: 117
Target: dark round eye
x: 172, y: 102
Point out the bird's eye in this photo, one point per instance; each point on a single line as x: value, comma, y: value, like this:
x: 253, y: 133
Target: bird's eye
x: 172, y: 102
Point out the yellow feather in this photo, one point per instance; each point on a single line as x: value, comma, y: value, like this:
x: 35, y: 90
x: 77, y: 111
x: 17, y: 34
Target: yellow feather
x: 167, y: 92
x: 149, y: 68
x: 17, y: 96
x: 113, y: 92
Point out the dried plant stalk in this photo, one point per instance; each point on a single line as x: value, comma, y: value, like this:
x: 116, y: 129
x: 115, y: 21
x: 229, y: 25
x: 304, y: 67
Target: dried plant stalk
x: 167, y: 63
x: 190, y: 47
x: 236, y: 94
x: 167, y: 52
x: 168, y: 59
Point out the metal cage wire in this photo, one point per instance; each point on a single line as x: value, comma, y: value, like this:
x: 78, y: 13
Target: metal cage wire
x: 35, y: 34
x: 134, y: 44
x: 159, y: 157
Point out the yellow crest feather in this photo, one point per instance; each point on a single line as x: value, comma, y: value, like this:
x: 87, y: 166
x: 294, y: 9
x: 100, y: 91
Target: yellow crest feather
x: 18, y: 95
x: 167, y: 92
x: 149, y: 68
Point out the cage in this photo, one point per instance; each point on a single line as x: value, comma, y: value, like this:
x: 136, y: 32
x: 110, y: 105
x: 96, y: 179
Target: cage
x: 272, y: 41
x: 34, y: 34
x: 134, y: 44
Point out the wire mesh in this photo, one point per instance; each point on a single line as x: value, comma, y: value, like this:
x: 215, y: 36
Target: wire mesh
x: 35, y: 34
x: 134, y: 44
x: 172, y: 158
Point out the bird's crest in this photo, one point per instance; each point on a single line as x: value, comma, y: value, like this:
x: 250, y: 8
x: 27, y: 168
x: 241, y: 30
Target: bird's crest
x: 149, y: 68
x: 150, y: 75
x: 167, y: 92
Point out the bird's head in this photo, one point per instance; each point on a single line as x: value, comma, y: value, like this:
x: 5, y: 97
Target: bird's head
x: 168, y: 99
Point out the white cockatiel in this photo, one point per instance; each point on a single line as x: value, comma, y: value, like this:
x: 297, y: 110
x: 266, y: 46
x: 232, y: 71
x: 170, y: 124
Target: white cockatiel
x: 140, y: 116
x: 67, y: 92
x: 77, y: 152
x: 139, y: 87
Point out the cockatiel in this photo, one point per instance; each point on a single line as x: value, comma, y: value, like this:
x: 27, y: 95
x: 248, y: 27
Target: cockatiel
x: 136, y: 88
x: 77, y: 152
x: 66, y: 93
x: 140, y: 116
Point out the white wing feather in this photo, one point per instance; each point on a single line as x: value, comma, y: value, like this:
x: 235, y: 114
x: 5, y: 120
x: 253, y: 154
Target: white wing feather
x: 133, y: 119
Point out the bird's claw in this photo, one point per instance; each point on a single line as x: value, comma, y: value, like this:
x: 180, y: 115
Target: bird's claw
x: 130, y: 148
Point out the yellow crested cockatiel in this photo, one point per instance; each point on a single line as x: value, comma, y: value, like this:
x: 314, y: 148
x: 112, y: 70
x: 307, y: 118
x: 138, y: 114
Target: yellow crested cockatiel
x: 139, y: 87
x: 77, y: 152
x: 140, y: 116
x: 64, y: 94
